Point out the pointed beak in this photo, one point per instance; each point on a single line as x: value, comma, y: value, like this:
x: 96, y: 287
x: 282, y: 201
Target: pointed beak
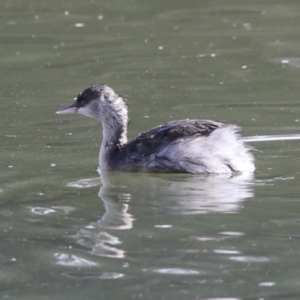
x: 72, y: 109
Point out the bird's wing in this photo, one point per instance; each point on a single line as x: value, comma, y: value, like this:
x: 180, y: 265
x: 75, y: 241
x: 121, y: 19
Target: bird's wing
x: 152, y: 141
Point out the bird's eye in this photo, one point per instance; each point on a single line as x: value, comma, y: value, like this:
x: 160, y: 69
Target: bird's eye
x: 80, y: 103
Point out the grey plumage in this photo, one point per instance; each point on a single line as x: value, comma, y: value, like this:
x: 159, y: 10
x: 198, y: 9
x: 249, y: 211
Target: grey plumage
x: 194, y: 146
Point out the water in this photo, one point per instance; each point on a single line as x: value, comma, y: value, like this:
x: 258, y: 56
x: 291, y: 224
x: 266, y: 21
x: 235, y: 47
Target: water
x: 68, y: 233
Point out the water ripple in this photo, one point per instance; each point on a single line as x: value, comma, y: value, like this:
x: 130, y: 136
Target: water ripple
x: 248, y: 259
x: 70, y: 260
x: 42, y: 210
x: 92, y: 275
x: 224, y: 251
x: 232, y: 233
x: 177, y: 271
x: 85, y: 183
x: 270, y: 283
x: 222, y: 298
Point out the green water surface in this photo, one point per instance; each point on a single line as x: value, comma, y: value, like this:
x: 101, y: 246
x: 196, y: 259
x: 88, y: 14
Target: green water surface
x: 68, y: 233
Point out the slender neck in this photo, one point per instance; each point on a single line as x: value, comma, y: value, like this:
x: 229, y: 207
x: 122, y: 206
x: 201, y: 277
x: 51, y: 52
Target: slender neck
x: 114, y: 137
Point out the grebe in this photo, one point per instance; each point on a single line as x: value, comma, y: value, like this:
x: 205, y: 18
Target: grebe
x: 192, y: 146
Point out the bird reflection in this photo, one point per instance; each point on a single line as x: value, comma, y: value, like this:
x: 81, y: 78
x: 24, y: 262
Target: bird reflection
x: 212, y: 194
x: 95, y: 236
x: 177, y: 194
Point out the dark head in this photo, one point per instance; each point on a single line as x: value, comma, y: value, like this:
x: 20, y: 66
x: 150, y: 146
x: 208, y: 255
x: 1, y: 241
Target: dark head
x: 98, y: 101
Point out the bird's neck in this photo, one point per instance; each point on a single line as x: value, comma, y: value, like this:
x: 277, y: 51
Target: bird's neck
x: 114, y: 137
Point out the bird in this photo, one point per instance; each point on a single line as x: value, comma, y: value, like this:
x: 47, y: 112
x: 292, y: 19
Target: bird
x: 181, y: 146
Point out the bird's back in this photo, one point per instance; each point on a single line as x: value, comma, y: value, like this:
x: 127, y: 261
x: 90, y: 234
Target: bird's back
x: 194, y: 146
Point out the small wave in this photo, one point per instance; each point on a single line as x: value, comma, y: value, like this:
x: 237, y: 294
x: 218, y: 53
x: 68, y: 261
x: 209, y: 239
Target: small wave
x: 268, y: 138
x: 85, y: 183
